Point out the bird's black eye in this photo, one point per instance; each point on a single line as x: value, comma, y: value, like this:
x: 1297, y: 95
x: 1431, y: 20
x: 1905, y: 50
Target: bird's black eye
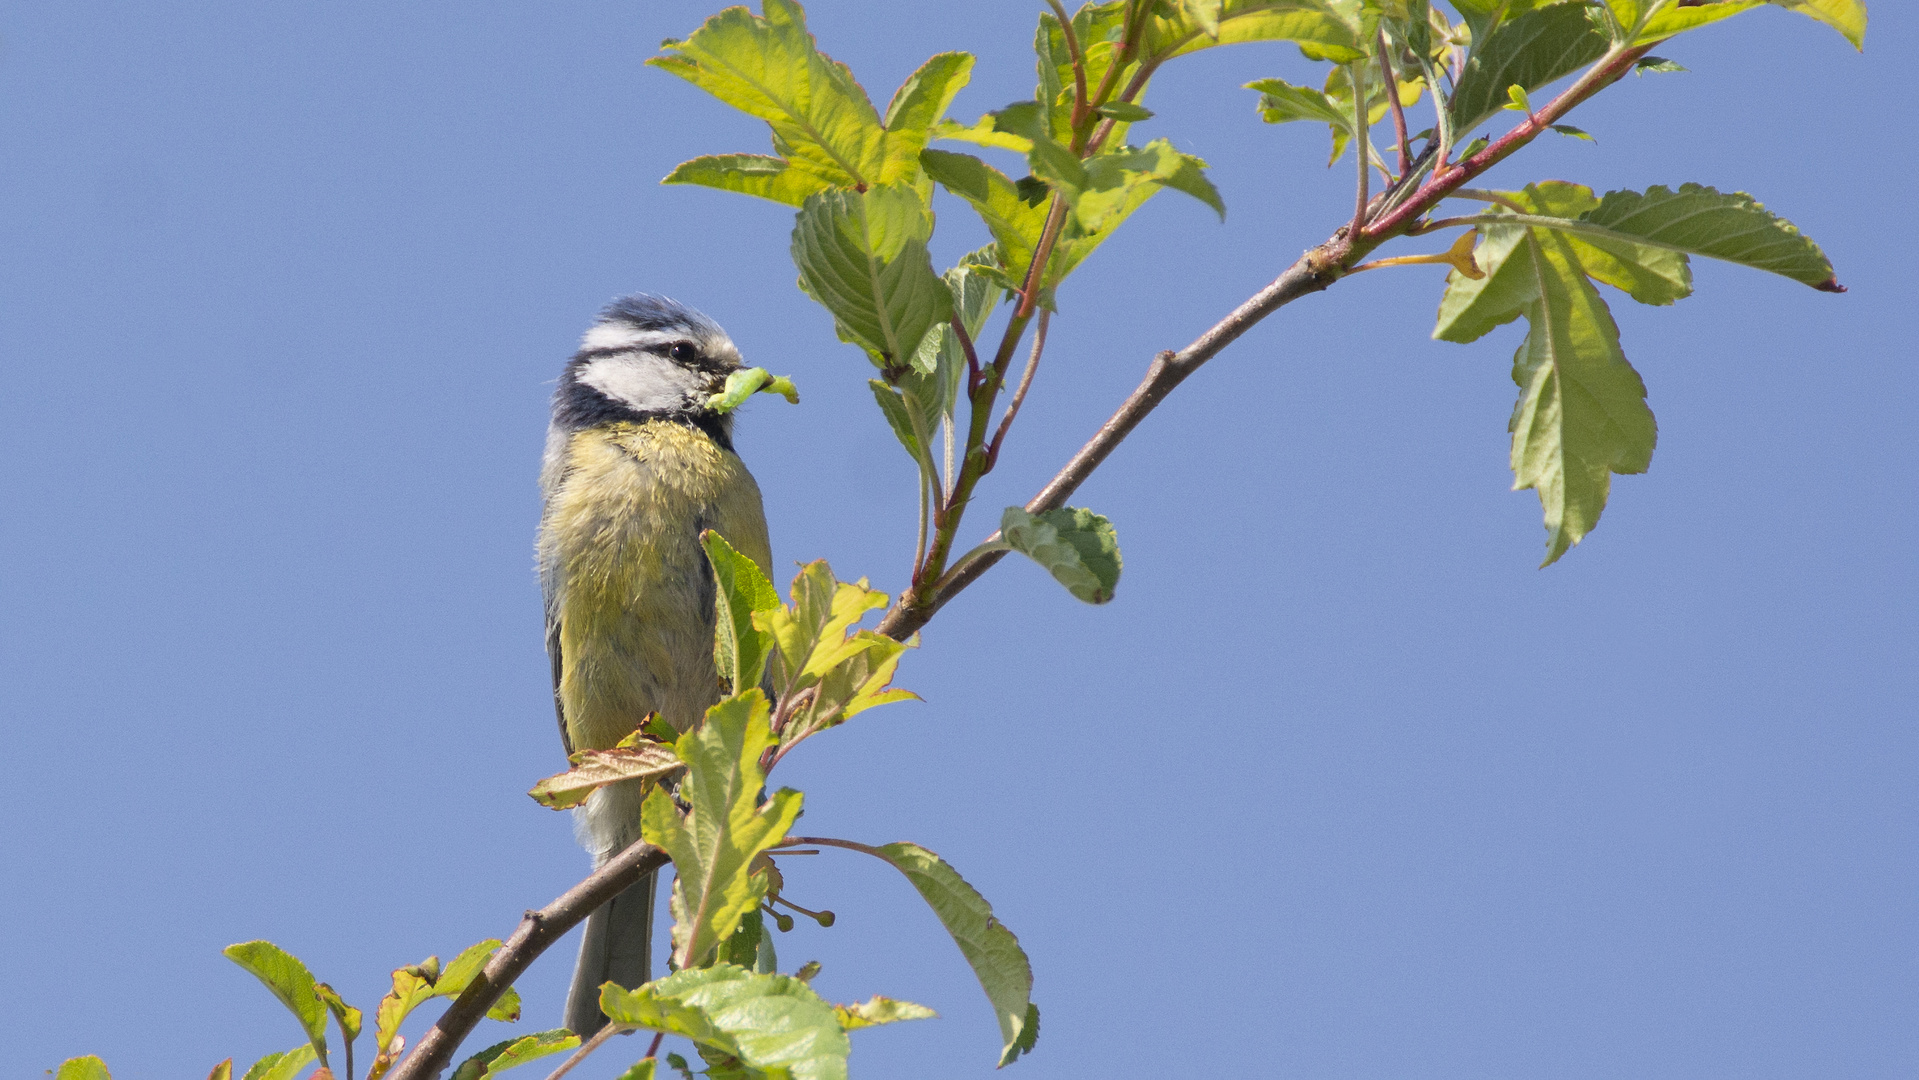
x: 684, y: 352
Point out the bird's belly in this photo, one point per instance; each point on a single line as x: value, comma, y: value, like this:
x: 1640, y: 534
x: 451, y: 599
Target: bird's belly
x: 633, y: 590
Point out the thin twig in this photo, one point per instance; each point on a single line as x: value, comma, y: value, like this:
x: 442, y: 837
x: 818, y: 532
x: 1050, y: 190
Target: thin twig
x: 1608, y: 70
x: 1362, y: 139
x: 537, y: 931
x: 1019, y: 395
x: 598, y: 1040
x: 1392, y: 95
x: 1080, y: 104
x: 653, y: 1048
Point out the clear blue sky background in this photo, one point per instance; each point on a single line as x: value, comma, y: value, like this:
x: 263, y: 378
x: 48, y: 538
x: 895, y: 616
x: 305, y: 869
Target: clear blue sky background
x: 1340, y: 786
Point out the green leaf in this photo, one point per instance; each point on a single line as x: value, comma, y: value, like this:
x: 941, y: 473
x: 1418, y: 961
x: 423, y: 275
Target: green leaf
x: 282, y: 1066
x: 83, y: 1068
x: 751, y: 174
x: 222, y: 1071
x: 411, y: 989
x: 348, y: 1017
x: 643, y: 1069
x: 1529, y: 51
x: 825, y: 130
x: 1582, y: 413
x: 1125, y: 111
x: 842, y: 671
x: 458, y: 975
x: 863, y: 257
x: 1075, y: 545
x: 740, y: 649
x: 773, y: 1023
x: 767, y: 66
x: 1846, y: 16
x: 1281, y: 102
x: 290, y: 981
x: 713, y: 846
x: 878, y: 1010
x: 917, y: 106
x: 1731, y: 226
x: 900, y: 418
x: 1320, y: 32
x: 1657, y: 65
x: 1014, y: 223
x: 989, y: 947
x: 1572, y: 132
x: 932, y: 387
x: 512, y: 1053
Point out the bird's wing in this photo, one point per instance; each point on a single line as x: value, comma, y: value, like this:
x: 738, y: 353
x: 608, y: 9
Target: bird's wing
x: 553, y: 654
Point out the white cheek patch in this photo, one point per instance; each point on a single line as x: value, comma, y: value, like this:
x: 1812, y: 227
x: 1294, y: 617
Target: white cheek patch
x: 646, y: 382
x: 613, y: 335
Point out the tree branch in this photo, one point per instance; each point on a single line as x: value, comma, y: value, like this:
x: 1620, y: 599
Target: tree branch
x: 537, y: 930
x: 1312, y: 273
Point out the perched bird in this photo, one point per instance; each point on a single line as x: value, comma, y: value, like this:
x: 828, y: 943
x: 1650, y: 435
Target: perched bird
x: 636, y: 466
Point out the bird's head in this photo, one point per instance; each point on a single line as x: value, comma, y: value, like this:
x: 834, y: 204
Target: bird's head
x: 647, y: 358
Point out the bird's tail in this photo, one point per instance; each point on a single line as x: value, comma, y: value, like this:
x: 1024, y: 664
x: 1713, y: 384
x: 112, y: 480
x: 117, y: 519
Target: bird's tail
x: 618, y: 948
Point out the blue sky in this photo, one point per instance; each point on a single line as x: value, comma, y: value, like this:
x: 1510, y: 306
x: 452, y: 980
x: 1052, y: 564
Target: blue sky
x: 1340, y: 785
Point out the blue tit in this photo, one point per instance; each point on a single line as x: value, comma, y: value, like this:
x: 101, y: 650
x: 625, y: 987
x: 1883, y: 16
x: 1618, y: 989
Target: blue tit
x: 636, y: 467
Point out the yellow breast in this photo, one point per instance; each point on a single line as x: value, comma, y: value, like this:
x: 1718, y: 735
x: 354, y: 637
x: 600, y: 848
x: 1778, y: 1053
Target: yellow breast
x: 627, y: 580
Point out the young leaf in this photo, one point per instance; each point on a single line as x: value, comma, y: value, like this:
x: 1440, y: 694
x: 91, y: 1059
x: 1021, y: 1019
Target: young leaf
x: 83, y: 1068
x: 459, y: 974
x: 411, y: 989
x: 713, y: 846
x: 1316, y: 27
x: 767, y: 66
x: 1125, y: 111
x: 826, y: 672
x: 346, y: 1016
x: 824, y: 126
x: 1519, y: 101
x: 222, y: 1071
x: 643, y: 1069
x: 290, y: 981
x: 594, y: 769
x: 774, y: 1023
x: 1280, y: 102
x: 1657, y: 65
x: 863, y: 257
x: 908, y: 430
x: 1572, y: 132
x: 1720, y: 225
x: 1076, y: 546
x: 878, y: 1010
x: 1528, y: 51
x: 1014, y: 222
x: 739, y: 650
x: 283, y: 1066
x: 502, y: 1056
x: 989, y: 947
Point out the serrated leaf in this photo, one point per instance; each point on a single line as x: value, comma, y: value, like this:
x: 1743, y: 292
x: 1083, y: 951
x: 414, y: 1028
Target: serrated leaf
x: 281, y: 1066
x: 773, y: 1023
x: 1075, y: 545
x: 512, y: 1053
x: 989, y: 947
x: 506, y: 1008
x: 878, y: 1010
x: 1014, y: 223
x: 1529, y: 51
x: 713, y: 846
x: 1281, y: 102
x: 595, y: 769
x: 89, y: 1067
x: 740, y: 649
x: 1731, y: 226
x: 863, y: 257
x: 768, y: 66
x: 1581, y: 414
x: 289, y: 980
